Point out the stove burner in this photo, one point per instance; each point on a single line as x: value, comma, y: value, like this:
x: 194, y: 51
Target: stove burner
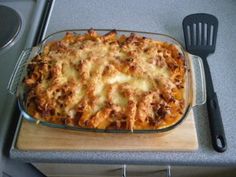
x: 10, y: 23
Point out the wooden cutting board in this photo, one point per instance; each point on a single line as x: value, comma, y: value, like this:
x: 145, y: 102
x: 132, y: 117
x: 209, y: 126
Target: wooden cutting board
x: 38, y: 137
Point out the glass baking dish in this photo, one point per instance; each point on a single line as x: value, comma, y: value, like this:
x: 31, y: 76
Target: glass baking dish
x: 195, y: 91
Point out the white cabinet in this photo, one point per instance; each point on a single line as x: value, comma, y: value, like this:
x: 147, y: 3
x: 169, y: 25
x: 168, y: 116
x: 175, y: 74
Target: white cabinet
x: 95, y: 170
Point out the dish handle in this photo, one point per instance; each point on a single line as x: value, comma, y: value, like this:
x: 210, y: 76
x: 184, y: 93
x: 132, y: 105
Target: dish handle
x: 198, y: 80
x: 17, y: 71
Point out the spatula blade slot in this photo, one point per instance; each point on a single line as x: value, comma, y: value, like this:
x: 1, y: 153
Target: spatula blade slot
x: 211, y: 35
x: 205, y: 34
x: 194, y: 34
x: 188, y: 34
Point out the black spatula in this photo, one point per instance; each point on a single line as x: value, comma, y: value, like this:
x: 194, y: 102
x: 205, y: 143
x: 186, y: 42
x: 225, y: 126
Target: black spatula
x: 200, y: 31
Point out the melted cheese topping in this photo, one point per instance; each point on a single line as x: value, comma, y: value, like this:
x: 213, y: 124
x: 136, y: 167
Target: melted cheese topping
x: 119, y: 78
x: 108, y: 82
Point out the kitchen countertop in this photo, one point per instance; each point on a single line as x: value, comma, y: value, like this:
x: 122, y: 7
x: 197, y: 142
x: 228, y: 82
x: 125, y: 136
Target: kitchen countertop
x: 163, y: 17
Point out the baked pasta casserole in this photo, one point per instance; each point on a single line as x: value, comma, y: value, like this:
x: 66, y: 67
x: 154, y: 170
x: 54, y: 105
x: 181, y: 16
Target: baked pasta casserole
x: 107, y: 81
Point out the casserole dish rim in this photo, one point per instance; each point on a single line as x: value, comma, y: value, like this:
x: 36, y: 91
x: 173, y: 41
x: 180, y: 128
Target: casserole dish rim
x: 188, y: 84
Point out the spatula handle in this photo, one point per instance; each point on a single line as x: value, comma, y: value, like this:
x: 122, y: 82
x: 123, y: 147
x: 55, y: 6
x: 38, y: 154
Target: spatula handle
x: 217, y: 130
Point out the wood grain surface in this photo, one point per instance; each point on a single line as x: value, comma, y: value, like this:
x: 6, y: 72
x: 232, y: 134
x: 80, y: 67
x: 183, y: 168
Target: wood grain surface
x: 38, y: 137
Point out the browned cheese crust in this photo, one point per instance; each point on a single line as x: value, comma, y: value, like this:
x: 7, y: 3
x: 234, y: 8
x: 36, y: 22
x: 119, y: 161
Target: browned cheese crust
x: 107, y: 82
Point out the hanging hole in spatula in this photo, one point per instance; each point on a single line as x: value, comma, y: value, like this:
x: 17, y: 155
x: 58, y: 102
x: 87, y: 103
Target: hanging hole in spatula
x: 220, y: 142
